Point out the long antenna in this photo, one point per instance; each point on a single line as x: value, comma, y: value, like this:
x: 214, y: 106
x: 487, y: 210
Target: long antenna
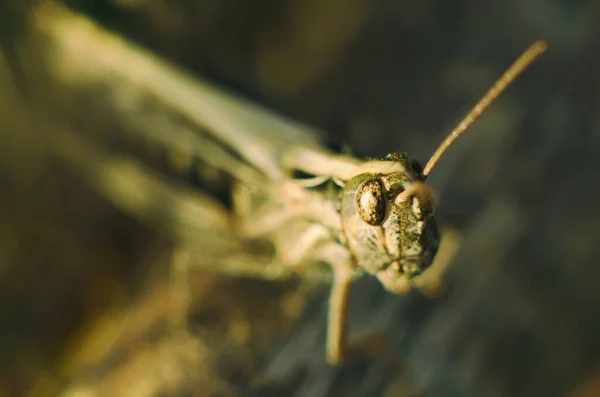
x: 530, y: 54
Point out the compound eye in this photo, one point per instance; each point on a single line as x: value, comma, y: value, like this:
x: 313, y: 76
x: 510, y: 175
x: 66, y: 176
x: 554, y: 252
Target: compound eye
x: 370, y: 202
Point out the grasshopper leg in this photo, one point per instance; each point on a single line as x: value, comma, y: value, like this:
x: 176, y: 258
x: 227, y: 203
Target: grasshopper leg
x: 337, y: 326
x: 338, y: 347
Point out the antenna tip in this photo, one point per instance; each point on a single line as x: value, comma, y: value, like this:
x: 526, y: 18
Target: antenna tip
x: 539, y: 46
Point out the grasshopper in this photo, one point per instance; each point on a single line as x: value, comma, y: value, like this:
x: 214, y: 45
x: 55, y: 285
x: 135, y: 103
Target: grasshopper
x: 375, y: 216
x: 387, y: 225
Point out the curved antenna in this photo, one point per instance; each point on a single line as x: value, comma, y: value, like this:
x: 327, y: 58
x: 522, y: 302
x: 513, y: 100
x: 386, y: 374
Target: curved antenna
x: 530, y: 54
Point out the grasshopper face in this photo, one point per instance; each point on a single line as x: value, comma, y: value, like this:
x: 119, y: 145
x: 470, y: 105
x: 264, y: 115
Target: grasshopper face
x: 389, y: 223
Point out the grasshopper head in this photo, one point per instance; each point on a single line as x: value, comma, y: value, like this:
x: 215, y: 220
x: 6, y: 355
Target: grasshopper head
x: 389, y: 223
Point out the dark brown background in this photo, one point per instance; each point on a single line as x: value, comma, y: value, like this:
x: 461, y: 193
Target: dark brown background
x: 521, y: 316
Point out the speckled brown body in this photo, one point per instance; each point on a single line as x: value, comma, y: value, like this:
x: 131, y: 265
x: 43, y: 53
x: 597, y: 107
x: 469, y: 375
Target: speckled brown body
x: 405, y: 237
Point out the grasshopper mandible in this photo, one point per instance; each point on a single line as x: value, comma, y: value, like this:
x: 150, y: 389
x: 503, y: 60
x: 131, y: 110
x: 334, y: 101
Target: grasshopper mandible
x: 382, y: 219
